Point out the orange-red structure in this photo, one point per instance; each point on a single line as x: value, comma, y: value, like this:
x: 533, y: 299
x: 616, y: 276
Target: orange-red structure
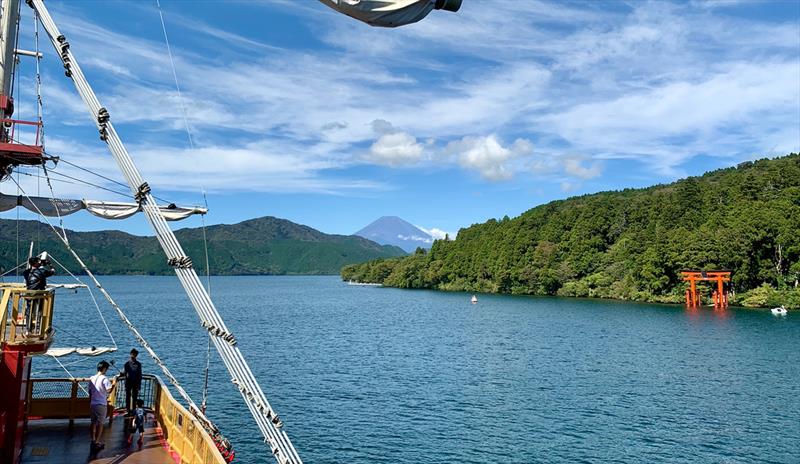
x: 720, y: 295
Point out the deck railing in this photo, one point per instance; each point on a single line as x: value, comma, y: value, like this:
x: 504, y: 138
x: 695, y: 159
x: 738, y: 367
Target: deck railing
x: 68, y: 399
x: 58, y: 399
x: 26, y: 318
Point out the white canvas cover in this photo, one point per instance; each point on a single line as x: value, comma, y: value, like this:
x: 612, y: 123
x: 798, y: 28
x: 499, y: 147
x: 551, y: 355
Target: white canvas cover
x: 90, y: 351
x: 53, y: 207
x: 116, y: 210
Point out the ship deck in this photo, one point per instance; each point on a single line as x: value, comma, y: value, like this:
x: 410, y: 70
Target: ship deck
x: 54, y: 441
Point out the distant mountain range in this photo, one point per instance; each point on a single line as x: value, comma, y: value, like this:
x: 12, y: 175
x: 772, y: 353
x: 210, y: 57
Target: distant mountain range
x: 266, y: 245
x: 391, y: 230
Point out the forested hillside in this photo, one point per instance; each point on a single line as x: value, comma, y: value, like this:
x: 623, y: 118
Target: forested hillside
x: 265, y: 245
x: 628, y: 244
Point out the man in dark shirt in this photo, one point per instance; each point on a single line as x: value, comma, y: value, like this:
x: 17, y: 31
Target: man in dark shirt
x: 36, y: 275
x: 35, y: 279
x: 133, y: 381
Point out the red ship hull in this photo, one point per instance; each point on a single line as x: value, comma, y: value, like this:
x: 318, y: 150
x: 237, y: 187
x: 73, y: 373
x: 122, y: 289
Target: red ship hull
x: 14, y: 375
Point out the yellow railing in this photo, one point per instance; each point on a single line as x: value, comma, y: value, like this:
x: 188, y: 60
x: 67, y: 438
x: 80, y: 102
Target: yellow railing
x: 184, y: 433
x: 65, y: 399
x: 58, y: 399
x: 26, y: 318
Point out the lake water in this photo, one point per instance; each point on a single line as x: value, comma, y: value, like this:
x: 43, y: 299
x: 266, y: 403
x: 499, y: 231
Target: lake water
x: 378, y: 375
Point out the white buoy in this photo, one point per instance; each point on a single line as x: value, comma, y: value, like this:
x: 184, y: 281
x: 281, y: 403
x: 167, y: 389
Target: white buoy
x: 779, y: 311
x: 474, y: 299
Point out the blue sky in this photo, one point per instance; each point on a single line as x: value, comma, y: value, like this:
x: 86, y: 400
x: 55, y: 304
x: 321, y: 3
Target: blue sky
x: 299, y: 112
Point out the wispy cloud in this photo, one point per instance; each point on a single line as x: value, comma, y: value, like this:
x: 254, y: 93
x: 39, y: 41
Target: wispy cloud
x: 655, y: 82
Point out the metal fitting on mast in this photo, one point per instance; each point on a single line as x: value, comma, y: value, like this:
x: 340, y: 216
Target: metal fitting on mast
x: 63, y: 47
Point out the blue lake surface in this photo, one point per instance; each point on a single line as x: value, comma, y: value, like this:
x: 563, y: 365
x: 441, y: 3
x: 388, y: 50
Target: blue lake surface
x: 379, y: 375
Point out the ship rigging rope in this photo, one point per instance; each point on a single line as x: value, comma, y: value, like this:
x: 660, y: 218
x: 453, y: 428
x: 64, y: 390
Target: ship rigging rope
x: 91, y: 294
x: 71, y: 377
x: 86, y: 182
x: 224, y: 341
x: 12, y: 270
x: 175, y: 77
x: 78, y: 181
x: 132, y: 328
x: 204, y: 403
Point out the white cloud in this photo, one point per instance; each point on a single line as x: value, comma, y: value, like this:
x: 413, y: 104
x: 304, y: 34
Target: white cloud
x: 573, y: 165
x: 488, y: 156
x: 436, y: 233
x: 393, y: 148
x: 415, y: 238
x: 397, y: 149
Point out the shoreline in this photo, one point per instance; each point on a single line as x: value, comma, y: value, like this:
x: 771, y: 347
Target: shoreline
x: 593, y: 298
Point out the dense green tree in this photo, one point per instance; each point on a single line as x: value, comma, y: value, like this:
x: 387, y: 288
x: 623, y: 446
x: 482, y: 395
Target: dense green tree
x: 629, y: 244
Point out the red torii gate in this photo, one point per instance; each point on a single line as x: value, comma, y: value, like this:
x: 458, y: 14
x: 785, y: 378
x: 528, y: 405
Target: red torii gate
x: 720, y: 295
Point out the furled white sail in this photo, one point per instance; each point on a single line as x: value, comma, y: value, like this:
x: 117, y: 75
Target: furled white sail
x: 390, y: 13
x: 54, y: 207
x: 89, y: 351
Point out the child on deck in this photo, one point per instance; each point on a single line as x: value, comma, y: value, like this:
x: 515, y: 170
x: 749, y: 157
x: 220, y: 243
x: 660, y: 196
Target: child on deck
x: 139, y: 416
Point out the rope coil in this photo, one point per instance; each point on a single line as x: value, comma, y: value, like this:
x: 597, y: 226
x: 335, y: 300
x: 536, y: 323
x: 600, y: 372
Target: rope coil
x: 141, y: 193
x: 102, y: 121
x: 63, y: 47
x: 183, y: 262
x: 218, y: 332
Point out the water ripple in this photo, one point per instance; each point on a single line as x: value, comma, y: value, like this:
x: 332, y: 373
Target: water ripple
x: 368, y: 375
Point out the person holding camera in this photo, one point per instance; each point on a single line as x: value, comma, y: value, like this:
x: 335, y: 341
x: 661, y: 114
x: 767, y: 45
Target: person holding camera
x: 37, y: 273
x: 39, y: 269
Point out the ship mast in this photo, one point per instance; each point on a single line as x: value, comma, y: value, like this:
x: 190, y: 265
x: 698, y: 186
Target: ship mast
x: 9, y: 22
x: 222, y: 338
x: 13, y: 152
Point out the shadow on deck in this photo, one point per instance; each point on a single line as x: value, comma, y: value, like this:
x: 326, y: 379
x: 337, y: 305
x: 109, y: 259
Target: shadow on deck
x: 54, y: 441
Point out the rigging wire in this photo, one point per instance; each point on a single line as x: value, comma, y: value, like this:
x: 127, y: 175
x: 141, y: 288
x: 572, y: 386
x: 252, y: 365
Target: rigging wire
x: 81, y: 360
x: 137, y: 335
x: 71, y: 377
x: 208, y: 285
x: 58, y: 210
x: 12, y: 270
x: 41, y: 126
x: 205, y: 245
x: 78, y: 182
x: 175, y: 77
x: 39, y: 101
x: 77, y: 166
x: 62, y: 160
x: 204, y: 402
x: 40, y: 115
x: 18, y: 190
x: 39, y: 218
x: 72, y: 335
x: 94, y: 300
x: 126, y: 195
